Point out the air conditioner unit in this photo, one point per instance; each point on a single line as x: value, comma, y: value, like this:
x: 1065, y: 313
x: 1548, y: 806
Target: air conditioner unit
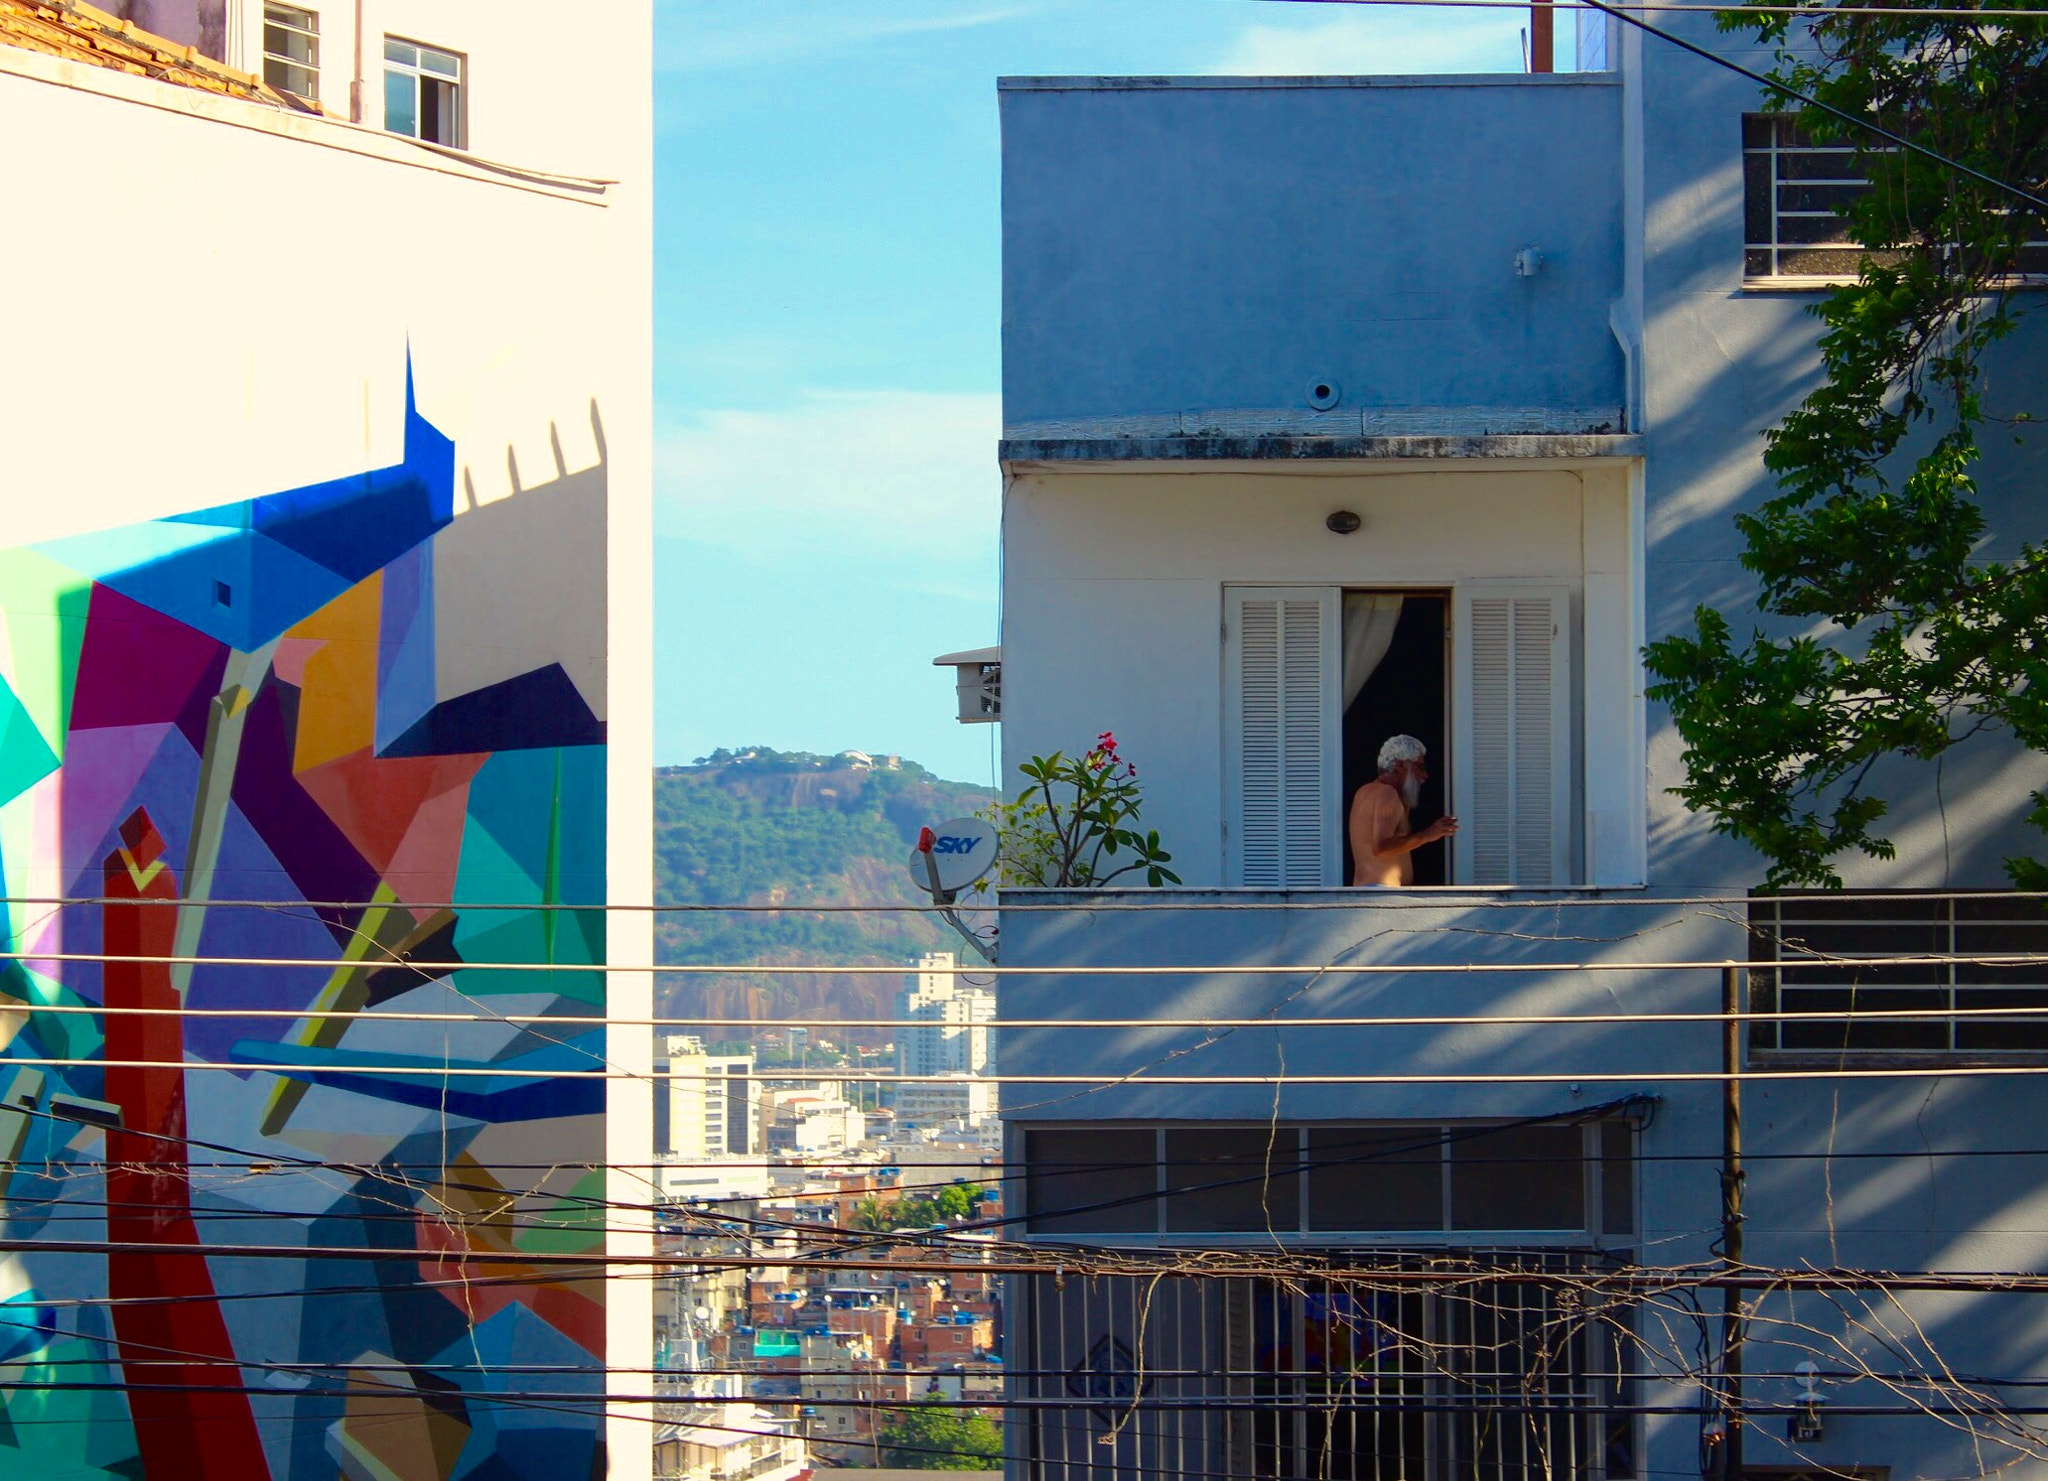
x: 979, y: 680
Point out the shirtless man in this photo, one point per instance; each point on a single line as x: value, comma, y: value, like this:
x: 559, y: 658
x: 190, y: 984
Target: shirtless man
x: 1380, y: 840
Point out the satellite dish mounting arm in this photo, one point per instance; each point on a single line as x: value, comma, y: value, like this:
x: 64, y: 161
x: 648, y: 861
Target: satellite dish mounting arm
x: 944, y: 898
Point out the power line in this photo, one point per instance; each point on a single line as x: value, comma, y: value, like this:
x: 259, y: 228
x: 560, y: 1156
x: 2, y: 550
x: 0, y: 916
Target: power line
x: 1108, y: 1079
x: 2018, y: 1012
x: 1803, y: 12
x: 1110, y: 901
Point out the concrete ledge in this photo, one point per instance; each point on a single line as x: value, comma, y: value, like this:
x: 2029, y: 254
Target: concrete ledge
x: 1315, y: 449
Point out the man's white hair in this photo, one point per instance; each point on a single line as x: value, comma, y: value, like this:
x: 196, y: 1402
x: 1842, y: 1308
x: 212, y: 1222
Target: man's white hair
x: 1401, y: 748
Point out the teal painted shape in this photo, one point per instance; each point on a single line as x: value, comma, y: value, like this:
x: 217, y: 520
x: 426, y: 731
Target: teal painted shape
x: 56, y: 1035
x: 106, y: 553
x: 522, y: 937
x: 25, y: 757
x: 487, y: 874
x: 513, y: 797
x: 68, y: 1434
x: 580, y: 868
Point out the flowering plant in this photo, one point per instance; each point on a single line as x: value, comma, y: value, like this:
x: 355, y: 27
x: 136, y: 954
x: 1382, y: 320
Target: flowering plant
x: 1075, y: 826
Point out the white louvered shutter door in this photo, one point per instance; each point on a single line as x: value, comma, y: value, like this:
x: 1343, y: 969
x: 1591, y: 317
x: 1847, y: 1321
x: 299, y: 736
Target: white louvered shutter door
x: 1282, y: 736
x: 1511, y: 765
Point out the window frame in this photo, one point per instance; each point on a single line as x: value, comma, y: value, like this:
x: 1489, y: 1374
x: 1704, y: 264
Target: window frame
x: 1769, y: 920
x: 294, y: 20
x: 1605, y: 1223
x: 419, y: 74
x: 1569, y: 851
x: 1761, y: 164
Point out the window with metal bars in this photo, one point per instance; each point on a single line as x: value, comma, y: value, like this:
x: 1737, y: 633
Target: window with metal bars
x: 1793, y: 190
x: 1315, y: 1184
x: 1340, y: 1379
x: 291, y: 50
x: 1963, y: 977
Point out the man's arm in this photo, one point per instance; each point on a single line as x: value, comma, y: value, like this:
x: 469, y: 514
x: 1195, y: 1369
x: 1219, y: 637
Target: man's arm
x: 1404, y: 843
x: 1376, y: 816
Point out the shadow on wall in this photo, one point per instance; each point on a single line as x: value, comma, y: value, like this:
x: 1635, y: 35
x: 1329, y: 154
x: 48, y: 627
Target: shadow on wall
x: 201, y: 24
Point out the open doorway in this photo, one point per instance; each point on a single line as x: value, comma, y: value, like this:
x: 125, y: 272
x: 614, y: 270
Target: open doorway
x: 1397, y: 677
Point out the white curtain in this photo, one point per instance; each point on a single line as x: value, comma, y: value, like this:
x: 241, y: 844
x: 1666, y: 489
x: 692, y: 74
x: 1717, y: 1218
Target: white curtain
x: 1369, y: 621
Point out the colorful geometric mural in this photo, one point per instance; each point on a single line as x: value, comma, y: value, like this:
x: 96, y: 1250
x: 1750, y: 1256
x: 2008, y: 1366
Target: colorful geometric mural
x: 300, y: 884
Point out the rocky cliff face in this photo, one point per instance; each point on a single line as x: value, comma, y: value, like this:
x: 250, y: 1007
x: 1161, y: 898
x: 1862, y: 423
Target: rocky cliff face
x: 792, y: 830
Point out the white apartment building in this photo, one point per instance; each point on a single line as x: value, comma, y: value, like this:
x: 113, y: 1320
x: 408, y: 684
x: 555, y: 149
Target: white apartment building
x: 711, y: 1108
x: 1341, y: 407
x: 809, y: 1121
x: 325, y: 425
x: 955, y: 1097
x: 942, y: 1021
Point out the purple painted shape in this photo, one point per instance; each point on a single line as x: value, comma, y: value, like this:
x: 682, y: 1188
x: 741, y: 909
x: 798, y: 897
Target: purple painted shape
x: 108, y: 773
x: 316, y: 855
x: 139, y: 667
x: 405, y: 645
x: 249, y: 870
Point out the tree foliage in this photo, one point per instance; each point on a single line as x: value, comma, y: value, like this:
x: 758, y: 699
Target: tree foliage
x: 760, y: 825
x: 933, y: 1439
x: 1893, y: 635
x: 949, y: 1204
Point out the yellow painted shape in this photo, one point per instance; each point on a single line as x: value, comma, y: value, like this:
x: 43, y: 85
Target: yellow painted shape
x: 338, y: 701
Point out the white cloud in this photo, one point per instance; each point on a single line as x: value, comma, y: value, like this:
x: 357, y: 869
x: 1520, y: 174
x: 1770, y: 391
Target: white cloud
x: 892, y: 476
x: 726, y: 35
x: 1377, y: 41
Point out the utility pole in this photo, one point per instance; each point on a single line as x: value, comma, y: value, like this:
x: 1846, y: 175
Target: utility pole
x: 1731, y: 1220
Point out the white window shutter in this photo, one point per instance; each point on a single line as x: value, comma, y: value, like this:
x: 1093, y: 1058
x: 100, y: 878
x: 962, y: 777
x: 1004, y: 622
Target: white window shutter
x: 1282, y: 672
x: 1511, y: 760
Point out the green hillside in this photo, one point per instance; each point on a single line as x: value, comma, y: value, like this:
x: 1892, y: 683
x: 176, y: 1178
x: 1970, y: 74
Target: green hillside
x: 768, y: 827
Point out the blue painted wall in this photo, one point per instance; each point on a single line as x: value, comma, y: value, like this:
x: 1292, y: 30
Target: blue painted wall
x: 1202, y: 243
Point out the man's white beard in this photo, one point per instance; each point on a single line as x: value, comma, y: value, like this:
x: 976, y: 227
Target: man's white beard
x: 1411, y: 792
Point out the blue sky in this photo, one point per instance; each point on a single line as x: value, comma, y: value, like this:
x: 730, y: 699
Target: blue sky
x: 827, y: 301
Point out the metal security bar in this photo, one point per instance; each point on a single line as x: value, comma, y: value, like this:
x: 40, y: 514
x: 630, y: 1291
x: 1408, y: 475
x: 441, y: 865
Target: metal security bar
x: 1475, y: 1380
x: 291, y: 50
x: 1792, y: 191
x: 1813, y: 954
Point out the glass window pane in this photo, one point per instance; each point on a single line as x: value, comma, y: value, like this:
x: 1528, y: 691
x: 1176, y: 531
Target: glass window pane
x: 439, y: 122
x: 1370, y: 1178
x: 401, y: 104
x: 1521, y: 1177
x: 399, y: 51
x: 439, y: 61
x: 1257, y: 1166
x: 1067, y: 1173
x: 1756, y: 198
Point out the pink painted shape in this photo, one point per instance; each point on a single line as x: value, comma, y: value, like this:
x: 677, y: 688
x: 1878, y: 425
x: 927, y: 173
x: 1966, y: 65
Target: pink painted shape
x: 403, y: 814
x: 292, y: 653
x: 423, y: 866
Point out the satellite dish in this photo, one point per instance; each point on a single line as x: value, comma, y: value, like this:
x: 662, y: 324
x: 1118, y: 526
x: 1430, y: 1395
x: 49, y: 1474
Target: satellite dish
x: 952, y: 856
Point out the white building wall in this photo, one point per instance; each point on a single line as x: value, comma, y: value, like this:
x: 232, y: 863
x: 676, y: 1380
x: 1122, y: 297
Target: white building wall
x: 514, y: 52
x: 230, y: 297
x: 1127, y: 564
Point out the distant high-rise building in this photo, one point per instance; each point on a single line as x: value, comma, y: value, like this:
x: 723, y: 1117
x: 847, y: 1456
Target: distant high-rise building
x: 943, y: 1022
x: 711, y: 1102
